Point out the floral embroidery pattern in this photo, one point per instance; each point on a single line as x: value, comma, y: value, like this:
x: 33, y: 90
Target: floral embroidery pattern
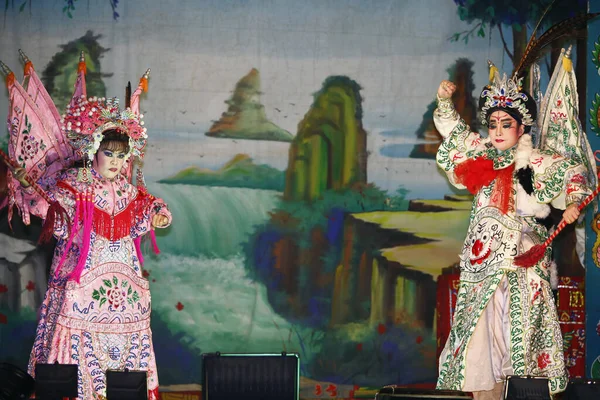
x: 29, y: 145
x: 116, y: 293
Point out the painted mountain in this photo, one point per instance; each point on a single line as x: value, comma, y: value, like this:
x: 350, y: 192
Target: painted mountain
x: 245, y: 117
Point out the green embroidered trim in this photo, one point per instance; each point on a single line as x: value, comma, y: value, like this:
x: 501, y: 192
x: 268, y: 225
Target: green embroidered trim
x: 460, y: 139
x: 552, y: 180
x: 455, y: 141
x: 536, y: 340
x: 502, y: 159
x: 445, y: 109
x: 515, y: 313
x: 471, y: 300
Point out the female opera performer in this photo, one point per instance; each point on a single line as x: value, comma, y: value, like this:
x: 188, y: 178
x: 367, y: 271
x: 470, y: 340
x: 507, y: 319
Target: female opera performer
x: 96, y: 311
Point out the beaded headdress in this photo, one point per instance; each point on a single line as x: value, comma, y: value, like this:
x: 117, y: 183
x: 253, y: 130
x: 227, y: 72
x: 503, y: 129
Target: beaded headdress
x: 86, y: 119
x: 44, y: 143
x: 85, y: 122
x: 506, y: 94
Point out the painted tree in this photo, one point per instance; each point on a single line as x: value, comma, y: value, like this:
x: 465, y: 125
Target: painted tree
x: 461, y: 73
x: 516, y: 15
x: 61, y: 72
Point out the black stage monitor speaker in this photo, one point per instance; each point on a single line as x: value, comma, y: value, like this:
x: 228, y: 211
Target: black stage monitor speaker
x: 55, y: 381
x: 526, y: 388
x: 393, y: 392
x: 126, y: 385
x: 15, y: 383
x: 582, y: 389
x: 250, y: 376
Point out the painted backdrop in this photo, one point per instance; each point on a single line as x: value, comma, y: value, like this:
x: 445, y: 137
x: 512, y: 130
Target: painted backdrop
x: 294, y: 144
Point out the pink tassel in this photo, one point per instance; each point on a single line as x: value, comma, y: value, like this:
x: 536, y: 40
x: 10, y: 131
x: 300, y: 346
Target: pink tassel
x: 154, y: 244
x: 138, y: 249
x: 88, y: 214
x: 72, y: 234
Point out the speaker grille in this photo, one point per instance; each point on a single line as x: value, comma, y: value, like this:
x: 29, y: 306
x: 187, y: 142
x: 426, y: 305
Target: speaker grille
x: 253, y: 376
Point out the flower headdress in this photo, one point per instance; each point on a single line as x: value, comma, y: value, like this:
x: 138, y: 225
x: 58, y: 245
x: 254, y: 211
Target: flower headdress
x: 86, y: 119
x: 85, y: 122
x: 506, y: 94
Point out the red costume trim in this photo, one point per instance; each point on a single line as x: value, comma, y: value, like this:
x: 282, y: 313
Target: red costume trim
x: 502, y: 193
x: 115, y: 227
x: 153, y: 394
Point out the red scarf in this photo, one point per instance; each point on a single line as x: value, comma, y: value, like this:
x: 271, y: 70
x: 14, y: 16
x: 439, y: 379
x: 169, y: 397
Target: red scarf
x: 479, y: 172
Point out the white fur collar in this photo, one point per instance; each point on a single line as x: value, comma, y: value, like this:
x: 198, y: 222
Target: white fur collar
x: 553, y: 275
x: 524, y: 150
x: 527, y: 204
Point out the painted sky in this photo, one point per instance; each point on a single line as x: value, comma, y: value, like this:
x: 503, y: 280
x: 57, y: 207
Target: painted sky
x: 397, y: 50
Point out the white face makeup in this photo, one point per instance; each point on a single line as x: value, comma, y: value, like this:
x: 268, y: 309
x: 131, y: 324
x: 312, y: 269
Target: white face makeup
x: 504, y: 131
x: 108, y: 163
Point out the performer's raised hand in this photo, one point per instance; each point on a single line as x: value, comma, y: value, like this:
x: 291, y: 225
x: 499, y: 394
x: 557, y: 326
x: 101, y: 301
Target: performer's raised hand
x: 446, y: 89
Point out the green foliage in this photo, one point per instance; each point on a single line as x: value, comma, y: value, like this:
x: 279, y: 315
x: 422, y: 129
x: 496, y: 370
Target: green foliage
x: 368, y: 198
x: 238, y: 172
x: 596, y: 54
x: 8, y: 4
x: 17, y: 333
x: 330, y: 260
x: 4, y: 143
x: 316, y: 231
x: 61, y: 73
x: 345, y: 83
x: 362, y: 353
x: 68, y: 8
x: 512, y: 13
x: 594, y: 114
x: 259, y: 177
x: 505, y: 12
x: 308, y: 216
x: 478, y: 29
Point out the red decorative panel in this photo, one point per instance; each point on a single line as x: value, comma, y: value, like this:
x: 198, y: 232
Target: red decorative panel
x: 571, y: 314
x: 447, y: 290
